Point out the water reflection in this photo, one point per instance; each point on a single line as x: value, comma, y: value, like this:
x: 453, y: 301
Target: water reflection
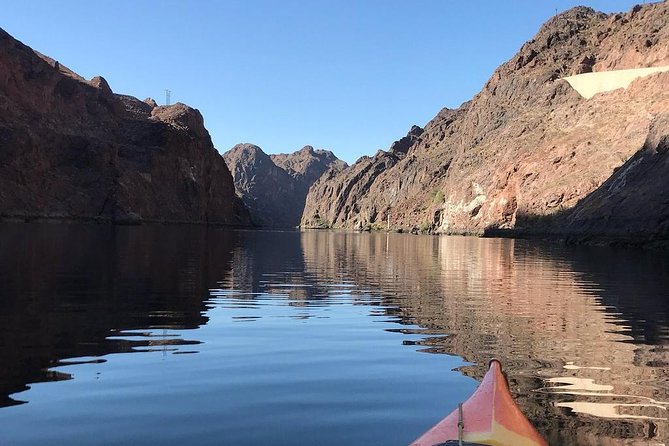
x: 75, y: 291
x: 583, y: 332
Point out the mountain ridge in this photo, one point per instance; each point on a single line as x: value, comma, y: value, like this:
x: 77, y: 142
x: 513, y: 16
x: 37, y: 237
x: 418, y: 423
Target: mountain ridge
x: 72, y: 149
x: 526, y: 147
x: 274, y: 187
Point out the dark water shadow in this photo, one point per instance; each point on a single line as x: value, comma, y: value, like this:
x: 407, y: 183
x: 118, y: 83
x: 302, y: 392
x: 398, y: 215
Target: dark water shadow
x: 66, y: 288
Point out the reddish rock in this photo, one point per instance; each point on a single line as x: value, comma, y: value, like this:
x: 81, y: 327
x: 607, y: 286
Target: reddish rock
x: 72, y: 149
x: 633, y: 204
x: 527, y: 148
x: 402, y: 145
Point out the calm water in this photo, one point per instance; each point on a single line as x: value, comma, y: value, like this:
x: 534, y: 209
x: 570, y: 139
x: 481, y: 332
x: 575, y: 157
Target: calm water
x: 174, y: 335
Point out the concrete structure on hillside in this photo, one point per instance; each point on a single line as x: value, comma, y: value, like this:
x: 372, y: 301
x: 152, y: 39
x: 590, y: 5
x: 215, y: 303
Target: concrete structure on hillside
x: 589, y: 84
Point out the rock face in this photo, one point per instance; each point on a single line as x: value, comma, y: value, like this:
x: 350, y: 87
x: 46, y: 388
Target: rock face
x: 72, y: 149
x: 528, y: 153
x: 634, y: 203
x: 274, y: 187
x: 307, y: 165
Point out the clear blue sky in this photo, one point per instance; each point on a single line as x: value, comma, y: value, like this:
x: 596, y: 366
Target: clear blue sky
x: 348, y: 75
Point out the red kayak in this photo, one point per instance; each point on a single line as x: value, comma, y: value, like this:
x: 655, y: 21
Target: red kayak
x: 488, y: 417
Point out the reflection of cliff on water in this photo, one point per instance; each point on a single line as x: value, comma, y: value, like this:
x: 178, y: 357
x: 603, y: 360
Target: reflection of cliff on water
x: 76, y: 291
x: 272, y: 263
x: 263, y: 252
x: 583, y: 332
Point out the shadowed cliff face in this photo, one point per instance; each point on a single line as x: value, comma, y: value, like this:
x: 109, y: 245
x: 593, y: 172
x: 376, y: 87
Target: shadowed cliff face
x: 631, y: 207
x: 275, y: 187
x: 73, y: 149
x: 526, y: 145
x: 634, y: 202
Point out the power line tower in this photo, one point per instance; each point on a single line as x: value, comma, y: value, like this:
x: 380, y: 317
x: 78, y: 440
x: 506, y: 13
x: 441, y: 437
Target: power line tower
x: 167, y: 96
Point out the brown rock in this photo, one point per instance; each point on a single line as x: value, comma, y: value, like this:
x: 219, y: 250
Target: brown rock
x: 307, y: 165
x: 151, y: 102
x: 73, y: 149
x: 633, y: 204
x: 527, y: 146
x: 402, y: 145
x: 275, y: 187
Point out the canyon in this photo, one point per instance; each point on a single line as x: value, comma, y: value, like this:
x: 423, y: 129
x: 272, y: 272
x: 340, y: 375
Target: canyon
x: 529, y: 155
x: 274, y: 187
x: 567, y: 139
x: 71, y: 149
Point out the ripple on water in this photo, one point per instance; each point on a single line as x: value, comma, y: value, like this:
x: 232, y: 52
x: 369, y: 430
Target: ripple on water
x: 323, y: 338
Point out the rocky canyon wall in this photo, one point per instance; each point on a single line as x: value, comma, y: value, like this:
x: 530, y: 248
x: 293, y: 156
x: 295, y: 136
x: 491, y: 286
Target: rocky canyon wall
x: 528, y: 153
x: 73, y: 149
x: 274, y: 187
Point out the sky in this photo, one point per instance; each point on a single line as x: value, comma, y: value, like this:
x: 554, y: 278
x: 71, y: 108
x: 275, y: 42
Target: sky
x: 350, y: 76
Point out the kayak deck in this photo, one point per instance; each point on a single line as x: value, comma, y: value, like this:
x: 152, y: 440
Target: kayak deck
x: 488, y: 417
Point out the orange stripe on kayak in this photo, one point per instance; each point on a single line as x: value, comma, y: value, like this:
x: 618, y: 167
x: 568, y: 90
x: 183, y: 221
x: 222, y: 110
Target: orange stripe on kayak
x: 490, y: 417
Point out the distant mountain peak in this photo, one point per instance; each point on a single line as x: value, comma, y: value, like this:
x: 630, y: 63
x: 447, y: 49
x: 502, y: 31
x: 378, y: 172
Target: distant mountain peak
x: 275, y: 186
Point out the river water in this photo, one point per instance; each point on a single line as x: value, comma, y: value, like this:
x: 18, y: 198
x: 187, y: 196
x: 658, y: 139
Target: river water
x: 205, y: 336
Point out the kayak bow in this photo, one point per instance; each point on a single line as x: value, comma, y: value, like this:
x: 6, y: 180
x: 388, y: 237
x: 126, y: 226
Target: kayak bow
x: 488, y: 417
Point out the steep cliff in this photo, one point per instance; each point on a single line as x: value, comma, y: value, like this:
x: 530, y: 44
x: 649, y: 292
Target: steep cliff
x: 632, y: 205
x: 72, y: 149
x: 527, y: 146
x: 274, y: 187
